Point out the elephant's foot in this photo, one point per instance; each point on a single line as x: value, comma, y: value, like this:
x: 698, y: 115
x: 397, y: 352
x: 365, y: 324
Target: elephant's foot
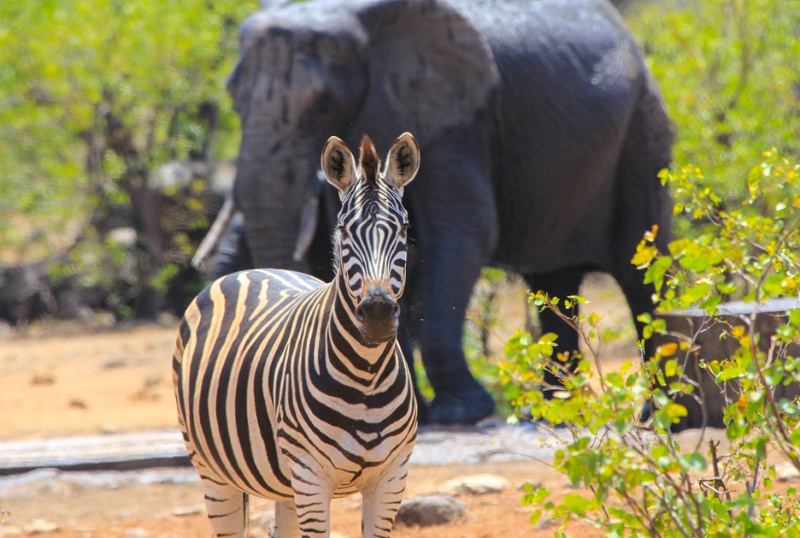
x: 461, y: 405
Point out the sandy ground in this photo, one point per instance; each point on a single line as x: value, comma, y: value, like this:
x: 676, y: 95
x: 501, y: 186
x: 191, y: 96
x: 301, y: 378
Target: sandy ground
x: 62, y: 380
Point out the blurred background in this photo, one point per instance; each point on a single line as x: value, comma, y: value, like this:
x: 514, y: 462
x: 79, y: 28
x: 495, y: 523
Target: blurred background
x: 117, y: 142
x: 118, y: 137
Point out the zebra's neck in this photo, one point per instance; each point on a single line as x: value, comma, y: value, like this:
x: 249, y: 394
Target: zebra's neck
x: 344, y: 340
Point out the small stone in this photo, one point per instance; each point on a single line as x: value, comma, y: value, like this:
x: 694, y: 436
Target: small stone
x: 117, y: 362
x: 547, y: 523
x: 786, y: 472
x: 478, y: 484
x: 77, y: 403
x: 182, y: 511
x: 42, y: 379
x: 40, y: 526
x: 108, y: 428
x: 10, y: 530
x: 137, y: 532
x: 427, y: 510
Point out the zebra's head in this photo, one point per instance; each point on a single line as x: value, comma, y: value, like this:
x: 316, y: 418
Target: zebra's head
x: 371, y: 231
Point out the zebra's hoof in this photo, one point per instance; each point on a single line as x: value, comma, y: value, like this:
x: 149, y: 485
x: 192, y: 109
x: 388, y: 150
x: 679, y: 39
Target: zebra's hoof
x: 465, y: 407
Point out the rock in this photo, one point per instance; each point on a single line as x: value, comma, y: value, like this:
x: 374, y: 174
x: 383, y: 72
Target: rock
x: 182, y: 511
x: 116, y: 362
x: 43, y: 378
x: 786, y: 472
x: 427, y: 510
x: 10, y: 530
x: 547, y: 523
x: 40, y: 526
x: 478, y: 484
x: 137, y: 532
x: 712, y: 344
x: 77, y: 403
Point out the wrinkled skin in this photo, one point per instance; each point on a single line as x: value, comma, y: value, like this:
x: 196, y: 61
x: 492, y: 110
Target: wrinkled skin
x: 541, y: 136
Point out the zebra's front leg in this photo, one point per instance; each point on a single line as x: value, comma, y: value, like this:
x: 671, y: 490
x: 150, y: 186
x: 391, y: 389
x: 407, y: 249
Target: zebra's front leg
x: 286, y: 524
x: 227, y: 509
x: 382, y: 500
x: 312, y: 499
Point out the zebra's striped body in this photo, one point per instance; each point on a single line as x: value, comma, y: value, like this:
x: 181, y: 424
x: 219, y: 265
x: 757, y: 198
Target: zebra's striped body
x: 283, y: 392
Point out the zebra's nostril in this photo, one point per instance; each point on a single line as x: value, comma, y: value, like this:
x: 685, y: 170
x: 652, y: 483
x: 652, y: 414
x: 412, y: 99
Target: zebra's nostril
x: 395, y: 310
x: 360, y: 315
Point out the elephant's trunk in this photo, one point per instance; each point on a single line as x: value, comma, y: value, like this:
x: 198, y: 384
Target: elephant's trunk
x: 273, y: 190
x: 273, y: 247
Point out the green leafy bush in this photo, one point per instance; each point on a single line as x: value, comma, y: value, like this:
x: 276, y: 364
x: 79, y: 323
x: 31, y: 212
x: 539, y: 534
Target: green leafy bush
x: 643, y: 482
x: 729, y: 74
x: 94, y: 95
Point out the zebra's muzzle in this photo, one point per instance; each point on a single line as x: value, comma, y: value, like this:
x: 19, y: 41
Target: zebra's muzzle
x: 378, y: 314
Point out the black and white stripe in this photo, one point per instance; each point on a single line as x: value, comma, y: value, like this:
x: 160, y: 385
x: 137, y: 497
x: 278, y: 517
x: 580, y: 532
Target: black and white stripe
x: 279, y: 394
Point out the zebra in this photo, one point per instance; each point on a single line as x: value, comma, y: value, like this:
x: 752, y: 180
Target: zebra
x: 296, y: 390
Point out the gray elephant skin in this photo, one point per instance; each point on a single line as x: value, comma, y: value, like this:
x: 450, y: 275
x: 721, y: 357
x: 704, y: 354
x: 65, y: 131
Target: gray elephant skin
x: 541, y: 135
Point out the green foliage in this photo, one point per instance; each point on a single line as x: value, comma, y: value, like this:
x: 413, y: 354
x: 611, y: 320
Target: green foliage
x: 646, y: 483
x: 94, y: 94
x: 729, y: 74
x: 481, y: 322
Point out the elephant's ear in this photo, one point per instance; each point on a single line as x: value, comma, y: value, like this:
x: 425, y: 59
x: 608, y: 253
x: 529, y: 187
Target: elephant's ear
x: 429, y: 69
x: 338, y: 164
x: 239, y: 82
x: 402, y: 161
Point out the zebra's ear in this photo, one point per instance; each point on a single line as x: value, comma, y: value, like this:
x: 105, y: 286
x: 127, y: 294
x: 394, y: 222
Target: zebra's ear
x: 338, y: 164
x: 402, y: 162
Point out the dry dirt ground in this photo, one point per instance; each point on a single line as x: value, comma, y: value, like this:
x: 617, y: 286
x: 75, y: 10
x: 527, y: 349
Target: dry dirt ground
x: 61, y: 380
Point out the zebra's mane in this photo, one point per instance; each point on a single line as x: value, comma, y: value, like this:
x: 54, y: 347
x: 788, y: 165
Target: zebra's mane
x: 368, y: 160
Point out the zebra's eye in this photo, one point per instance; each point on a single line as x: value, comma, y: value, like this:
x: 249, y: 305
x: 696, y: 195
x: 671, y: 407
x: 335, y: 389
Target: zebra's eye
x: 343, y: 233
x: 404, y: 229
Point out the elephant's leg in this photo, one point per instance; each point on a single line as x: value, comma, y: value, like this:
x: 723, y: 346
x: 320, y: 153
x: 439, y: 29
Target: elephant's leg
x: 561, y: 284
x: 449, y: 274
x: 638, y: 295
x: 641, y: 200
x: 233, y: 253
x: 639, y: 298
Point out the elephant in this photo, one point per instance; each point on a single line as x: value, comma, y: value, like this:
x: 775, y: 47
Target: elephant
x: 541, y: 131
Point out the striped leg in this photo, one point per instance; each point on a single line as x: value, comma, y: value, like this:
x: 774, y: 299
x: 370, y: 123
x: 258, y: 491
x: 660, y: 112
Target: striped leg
x: 286, y: 525
x: 227, y: 510
x: 312, y: 500
x: 382, y: 501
